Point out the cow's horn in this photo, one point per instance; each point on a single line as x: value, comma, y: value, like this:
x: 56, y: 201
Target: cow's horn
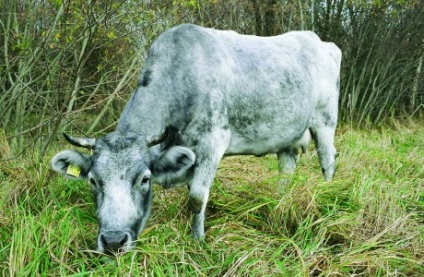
x: 154, y: 140
x: 81, y: 142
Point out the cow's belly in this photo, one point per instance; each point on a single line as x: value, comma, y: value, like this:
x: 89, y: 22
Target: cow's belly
x: 258, y: 143
x: 243, y: 146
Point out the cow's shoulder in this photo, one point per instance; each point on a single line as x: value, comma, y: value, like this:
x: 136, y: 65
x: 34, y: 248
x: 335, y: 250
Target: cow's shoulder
x: 181, y: 35
x: 306, y: 34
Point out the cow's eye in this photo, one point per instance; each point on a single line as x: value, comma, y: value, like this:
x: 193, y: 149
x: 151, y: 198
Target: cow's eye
x: 145, y: 180
x: 92, y: 181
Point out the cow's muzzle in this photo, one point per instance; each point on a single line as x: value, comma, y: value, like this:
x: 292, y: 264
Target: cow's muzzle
x: 113, y: 242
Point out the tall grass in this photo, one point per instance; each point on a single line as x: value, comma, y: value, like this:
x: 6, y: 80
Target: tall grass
x: 378, y: 77
x: 367, y: 222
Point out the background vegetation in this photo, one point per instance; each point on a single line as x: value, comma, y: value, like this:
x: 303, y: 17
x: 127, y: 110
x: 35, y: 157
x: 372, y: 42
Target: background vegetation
x: 62, y: 60
x: 71, y: 65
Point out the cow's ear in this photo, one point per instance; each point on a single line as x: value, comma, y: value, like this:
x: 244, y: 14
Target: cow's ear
x: 172, y: 165
x: 72, y: 164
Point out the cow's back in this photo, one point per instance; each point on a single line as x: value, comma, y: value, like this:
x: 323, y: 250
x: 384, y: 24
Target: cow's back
x: 264, y: 89
x: 279, y: 83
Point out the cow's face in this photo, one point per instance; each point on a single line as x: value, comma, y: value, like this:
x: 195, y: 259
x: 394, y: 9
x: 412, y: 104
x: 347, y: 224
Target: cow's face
x: 120, y: 171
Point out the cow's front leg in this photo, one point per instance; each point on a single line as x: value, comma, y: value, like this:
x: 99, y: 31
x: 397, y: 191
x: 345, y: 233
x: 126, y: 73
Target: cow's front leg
x: 198, y: 197
x: 210, y: 153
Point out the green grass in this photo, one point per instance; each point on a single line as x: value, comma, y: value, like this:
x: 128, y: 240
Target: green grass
x: 368, y: 222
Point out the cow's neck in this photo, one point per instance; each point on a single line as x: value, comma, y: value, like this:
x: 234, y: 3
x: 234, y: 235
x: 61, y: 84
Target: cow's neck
x: 143, y: 114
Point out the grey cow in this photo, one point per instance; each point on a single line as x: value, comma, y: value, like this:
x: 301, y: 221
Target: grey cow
x: 205, y: 94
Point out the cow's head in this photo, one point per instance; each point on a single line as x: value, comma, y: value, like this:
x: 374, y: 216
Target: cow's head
x: 120, y: 171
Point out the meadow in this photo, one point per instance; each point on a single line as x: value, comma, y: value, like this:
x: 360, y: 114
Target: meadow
x: 369, y: 221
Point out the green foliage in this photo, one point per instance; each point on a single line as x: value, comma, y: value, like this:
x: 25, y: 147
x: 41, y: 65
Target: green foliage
x: 60, y: 58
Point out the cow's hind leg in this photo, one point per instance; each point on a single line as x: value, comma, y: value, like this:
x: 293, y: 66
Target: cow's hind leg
x: 323, y: 129
x: 287, y: 160
x: 209, y: 153
x: 324, y: 142
x: 288, y: 157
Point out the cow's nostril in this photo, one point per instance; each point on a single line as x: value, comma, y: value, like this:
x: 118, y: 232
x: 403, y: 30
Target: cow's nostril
x: 103, y: 241
x: 124, y: 240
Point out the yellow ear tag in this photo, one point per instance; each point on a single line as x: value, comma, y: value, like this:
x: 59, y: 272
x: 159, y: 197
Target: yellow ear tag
x: 73, y: 170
